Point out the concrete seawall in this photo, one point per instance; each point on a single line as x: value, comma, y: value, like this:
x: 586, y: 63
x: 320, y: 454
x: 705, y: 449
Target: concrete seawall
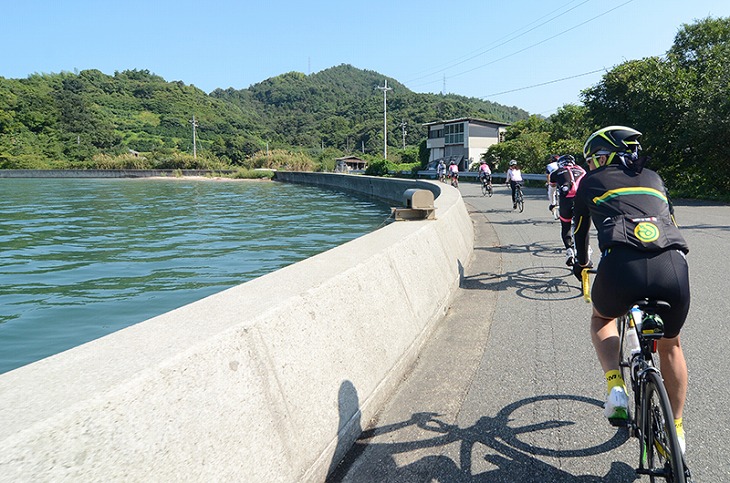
x: 266, y: 381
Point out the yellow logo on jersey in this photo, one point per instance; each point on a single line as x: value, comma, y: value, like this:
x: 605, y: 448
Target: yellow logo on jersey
x: 646, y: 232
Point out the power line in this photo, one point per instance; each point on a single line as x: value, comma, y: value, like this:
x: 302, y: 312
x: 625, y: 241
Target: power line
x: 563, y: 32
x: 506, y: 38
x: 543, y: 83
x: 544, y: 40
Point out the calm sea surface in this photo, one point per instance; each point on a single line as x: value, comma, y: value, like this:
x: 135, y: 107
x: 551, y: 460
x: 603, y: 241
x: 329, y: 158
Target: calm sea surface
x: 82, y: 258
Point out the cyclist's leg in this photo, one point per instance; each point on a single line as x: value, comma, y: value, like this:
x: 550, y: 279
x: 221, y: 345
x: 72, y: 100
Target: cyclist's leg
x: 565, y: 213
x: 674, y: 372
x: 607, y: 305
x: 668, y: 276
x: 604, y: 336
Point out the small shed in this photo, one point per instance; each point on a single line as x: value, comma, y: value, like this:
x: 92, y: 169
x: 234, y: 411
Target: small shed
x: 349, y: 163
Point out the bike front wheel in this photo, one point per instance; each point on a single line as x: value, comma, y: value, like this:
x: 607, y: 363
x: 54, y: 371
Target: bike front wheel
x: 659, y: 436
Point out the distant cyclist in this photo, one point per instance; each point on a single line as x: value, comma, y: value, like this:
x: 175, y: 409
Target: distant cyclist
x: 564, y: 181
x: 643, y: 256
x: 514, y: 178
x: 485, y: 174
x: 552, y: 194
x: 454, y: 173
x: 441, y: 170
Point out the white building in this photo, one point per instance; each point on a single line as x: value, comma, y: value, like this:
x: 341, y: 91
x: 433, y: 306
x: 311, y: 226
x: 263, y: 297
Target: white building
x: 462, y: 140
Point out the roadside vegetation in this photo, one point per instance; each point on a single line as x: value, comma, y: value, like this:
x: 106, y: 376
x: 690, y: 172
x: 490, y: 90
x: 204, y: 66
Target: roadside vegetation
x: 136, y: 120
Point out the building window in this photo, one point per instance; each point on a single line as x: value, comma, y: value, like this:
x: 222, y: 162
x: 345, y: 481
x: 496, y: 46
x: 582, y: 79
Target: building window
x: 436, y: 134
x: 454, y: 134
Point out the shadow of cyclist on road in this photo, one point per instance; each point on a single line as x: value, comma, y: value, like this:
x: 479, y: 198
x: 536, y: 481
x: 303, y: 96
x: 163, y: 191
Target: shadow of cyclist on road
x: 490, y: 450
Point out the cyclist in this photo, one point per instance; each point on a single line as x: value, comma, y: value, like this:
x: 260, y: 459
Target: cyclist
x: 514, y: 178
x: 552, y: 194
x: 454, y: 172
x: 643, y: 256
x: 564, y: 181
x: 485, y: 174
x: 441, y: 170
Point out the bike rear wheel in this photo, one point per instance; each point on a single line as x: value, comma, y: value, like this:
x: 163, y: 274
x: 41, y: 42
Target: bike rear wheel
x: 659, y: 436
x: 520, y: 201
x: 485, y: 189
x: 490, y: 191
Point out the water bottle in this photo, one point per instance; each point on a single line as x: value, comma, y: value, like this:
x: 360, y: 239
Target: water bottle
x: 632, y: 340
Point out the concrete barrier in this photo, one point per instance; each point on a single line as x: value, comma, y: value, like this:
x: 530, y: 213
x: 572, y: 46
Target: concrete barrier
x: 266, y: 381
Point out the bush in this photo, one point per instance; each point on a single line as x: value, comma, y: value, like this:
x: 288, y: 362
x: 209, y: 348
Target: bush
x: 105, y: 161
x: 280, y: 159
x: 244, y: 173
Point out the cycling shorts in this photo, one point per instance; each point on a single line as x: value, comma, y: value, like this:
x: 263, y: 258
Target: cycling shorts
x: 626, y: 275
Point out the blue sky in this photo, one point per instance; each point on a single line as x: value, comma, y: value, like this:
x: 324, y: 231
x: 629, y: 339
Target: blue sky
x: 495, y: 50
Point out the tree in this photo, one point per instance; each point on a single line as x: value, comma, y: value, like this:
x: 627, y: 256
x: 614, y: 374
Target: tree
x: 681, y: 104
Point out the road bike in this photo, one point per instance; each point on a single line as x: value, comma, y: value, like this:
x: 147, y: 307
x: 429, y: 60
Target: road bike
x: 486, y: 187
x: 455, y: 180
x: 442, y: 177
x: 519, y: 198
x: 652, y: 420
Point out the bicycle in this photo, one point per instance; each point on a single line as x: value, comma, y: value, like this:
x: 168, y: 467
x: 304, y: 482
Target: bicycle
x: 486, y: 187
x: 653, y: 420
x: 519, y: 199
x: 455, y: 180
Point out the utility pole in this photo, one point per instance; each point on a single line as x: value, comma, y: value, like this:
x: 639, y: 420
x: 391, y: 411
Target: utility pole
x: 195, y: 125
x: 403, y: 125
x: 385, y: 117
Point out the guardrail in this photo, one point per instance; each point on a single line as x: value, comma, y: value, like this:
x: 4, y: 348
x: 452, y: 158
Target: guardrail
x: 431, y: 174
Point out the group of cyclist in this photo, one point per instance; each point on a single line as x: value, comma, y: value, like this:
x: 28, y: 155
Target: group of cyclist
x: 643, y: 254
x: 452, y: 172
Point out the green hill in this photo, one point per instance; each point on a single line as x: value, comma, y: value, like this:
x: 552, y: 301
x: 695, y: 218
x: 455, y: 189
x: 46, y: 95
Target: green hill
x: 70, y: 119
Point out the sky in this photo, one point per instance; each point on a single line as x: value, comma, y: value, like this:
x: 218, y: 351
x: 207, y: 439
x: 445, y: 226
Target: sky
x: 533, y: 54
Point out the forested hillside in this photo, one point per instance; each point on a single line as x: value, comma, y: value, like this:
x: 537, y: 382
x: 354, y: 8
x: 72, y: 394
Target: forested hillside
x: 81, y: 119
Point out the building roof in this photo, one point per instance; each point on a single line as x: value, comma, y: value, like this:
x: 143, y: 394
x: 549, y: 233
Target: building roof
x: 349, y: 158
x: 469, y: 119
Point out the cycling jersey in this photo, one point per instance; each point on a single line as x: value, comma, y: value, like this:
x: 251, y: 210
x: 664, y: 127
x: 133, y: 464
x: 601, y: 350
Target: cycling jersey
x: 514, y: 174
x: 567, y: 179
x: 484, y: 170
x: 628, y: 209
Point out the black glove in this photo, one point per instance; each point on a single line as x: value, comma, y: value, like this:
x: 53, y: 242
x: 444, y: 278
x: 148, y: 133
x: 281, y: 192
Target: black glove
x: 578, y: 270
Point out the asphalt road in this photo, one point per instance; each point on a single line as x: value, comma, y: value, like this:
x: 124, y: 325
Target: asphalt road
x: 508, y: 388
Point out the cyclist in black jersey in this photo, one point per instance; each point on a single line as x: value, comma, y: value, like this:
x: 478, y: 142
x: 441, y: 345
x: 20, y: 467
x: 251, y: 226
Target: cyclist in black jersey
x: 643, y: 256
x: 565, y: 181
